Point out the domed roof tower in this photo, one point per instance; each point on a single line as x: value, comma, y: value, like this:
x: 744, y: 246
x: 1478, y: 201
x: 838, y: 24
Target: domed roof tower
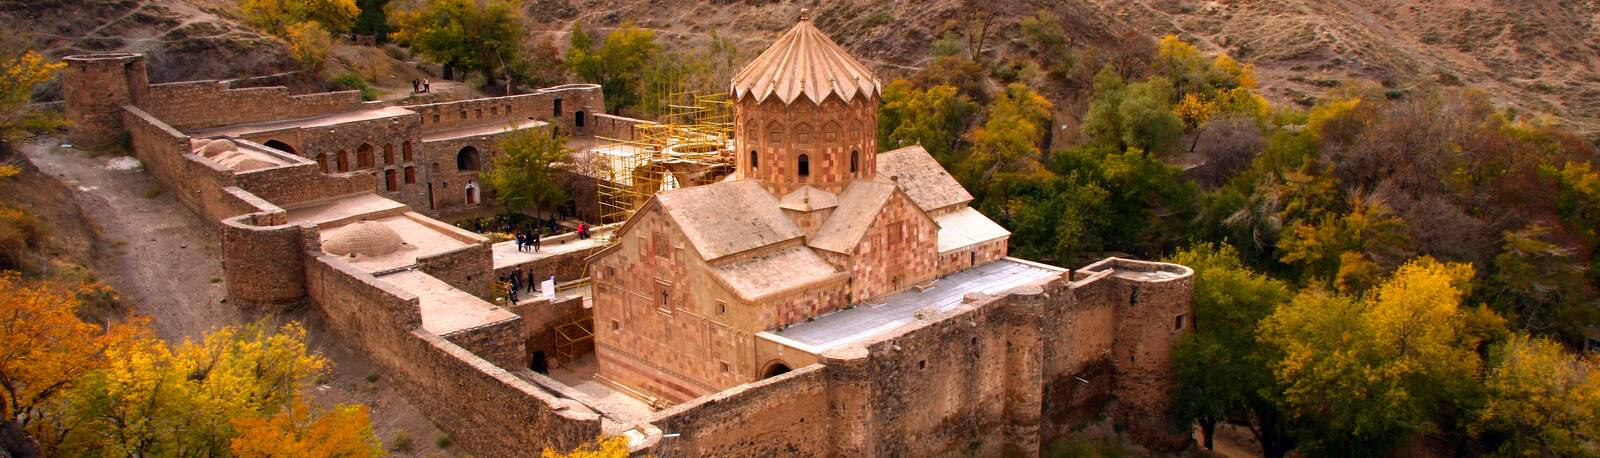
x: 806, y: 113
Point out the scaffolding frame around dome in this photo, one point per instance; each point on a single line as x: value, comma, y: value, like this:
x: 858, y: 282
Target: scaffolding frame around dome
x: 696, y: 132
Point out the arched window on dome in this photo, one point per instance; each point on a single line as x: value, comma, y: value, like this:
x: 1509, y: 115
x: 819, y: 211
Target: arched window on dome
x: 805, y: 166
x: 855, y: 161
x: 755, y: 160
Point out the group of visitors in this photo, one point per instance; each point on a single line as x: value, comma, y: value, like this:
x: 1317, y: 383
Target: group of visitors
x: 518, y: 284
x: 528, y: 241
x: 583, y: 230
x: 418, y: 87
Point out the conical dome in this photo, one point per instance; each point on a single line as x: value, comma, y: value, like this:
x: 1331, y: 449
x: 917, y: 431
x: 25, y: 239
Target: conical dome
x: 805, y: 61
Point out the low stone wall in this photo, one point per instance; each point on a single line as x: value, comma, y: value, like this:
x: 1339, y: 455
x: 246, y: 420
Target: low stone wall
x: 483, y: 407
x: 785, y: 416
x: 618, y: 127
x: 467, y: 268
x: 500, y: 342
x: 166, y: 153
x: 204, y: 104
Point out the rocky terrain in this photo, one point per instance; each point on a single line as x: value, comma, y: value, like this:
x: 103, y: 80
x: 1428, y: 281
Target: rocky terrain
x: 182, y: 39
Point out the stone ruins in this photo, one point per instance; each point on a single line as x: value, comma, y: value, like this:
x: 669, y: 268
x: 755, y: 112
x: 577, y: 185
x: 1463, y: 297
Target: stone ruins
x: 826, y: 299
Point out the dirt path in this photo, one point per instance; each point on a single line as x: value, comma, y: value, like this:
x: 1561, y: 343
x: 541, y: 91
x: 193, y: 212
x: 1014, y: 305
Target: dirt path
x: 165, y: 262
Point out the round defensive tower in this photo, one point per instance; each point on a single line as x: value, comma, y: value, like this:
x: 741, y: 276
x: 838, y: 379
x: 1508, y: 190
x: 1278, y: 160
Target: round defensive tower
x: 806, y: 114
x: 95, y: 87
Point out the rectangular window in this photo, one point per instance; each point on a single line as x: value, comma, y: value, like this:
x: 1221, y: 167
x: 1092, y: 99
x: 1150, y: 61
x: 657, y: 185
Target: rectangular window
x: 435, y: 118
x: 615, y: 325
x: 557, y: 107
x: 722, y: 308
x: 463, y: 115
x: 1177, y: 323
x: 478, y: 113
x: 493, y: 111
x: 660, y: 241
x: 724, y: 367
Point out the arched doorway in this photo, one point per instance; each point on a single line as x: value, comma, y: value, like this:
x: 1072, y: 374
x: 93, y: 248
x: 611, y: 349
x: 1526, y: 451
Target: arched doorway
x: 577, y: 119
x: 343, y: 160
x: 364, y: 156
x: 467, y: 159
x: 775, y: 369
x: 322, y: 159
x: 280, y: 146
x: 472, y: 193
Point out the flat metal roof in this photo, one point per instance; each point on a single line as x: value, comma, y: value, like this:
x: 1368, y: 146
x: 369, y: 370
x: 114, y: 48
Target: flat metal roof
x: 852, y: 325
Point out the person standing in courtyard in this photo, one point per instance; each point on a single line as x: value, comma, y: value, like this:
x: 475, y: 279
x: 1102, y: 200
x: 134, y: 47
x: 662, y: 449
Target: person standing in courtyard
x: 522, y: 242
x: 535, y: 241
x: 533, y: 284
x: 415, y: 86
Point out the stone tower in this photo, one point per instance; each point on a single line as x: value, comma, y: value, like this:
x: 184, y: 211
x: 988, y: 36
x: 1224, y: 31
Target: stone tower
x: 806, y: 114
x: 95, y: 88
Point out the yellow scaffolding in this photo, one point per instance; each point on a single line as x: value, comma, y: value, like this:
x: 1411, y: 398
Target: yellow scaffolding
x: 692, y: 145
x: 571, y: 338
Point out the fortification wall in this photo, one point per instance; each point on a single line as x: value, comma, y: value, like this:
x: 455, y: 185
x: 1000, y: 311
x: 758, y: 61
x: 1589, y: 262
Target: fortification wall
x: 1155, y: 304
x: 262, y: 260
x: 165, y: 152
x: 786, y: 416
x: 95, y: 87
x: 194, y: 105
x: 540, y: 105
x: 486, y: 409
x: 466, y: 268
x: 1077, y: 367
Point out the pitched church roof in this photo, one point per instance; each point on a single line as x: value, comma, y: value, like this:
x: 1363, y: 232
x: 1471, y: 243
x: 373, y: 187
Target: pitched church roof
x: 859, y: 205
x: 726, y: 218
x: 806, y: 62
x: 923, y: 179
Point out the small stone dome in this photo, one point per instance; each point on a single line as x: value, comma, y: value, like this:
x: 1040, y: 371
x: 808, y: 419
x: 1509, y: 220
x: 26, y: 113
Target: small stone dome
x: 216, y: 147
x: 365, y: 238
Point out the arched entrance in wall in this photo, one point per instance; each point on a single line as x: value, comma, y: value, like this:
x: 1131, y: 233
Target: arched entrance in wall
x: 364, y: 156
x: 280, y: 146
x: 472, y: 193
x: 775, y: 369
x: 343, y: 160
x: 467, y: 159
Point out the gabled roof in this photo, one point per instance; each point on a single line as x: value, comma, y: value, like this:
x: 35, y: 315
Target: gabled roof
x: 923, y: 179
x: 756, y: 277
x: 966, y: 227
x: 808, y: 199
x: 725, y: 218
x: 806, y: 62
x: 859, y: 205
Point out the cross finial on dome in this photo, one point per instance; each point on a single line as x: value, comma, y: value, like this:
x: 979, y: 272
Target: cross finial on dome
x: 805, y: 14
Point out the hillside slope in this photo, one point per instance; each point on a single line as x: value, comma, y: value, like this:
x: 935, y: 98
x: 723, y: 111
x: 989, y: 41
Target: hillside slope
x: 182, y: 39
x: 1538, y: 55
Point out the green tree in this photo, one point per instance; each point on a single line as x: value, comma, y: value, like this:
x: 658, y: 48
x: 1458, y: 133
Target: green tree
x: 465, y: 34
x: 933, y: 118
x: 1544, y: 401
x: 1361, y: 374
x: 1137, y: 115
x: 1345, y: 251
x: 620, y: 65
x: 1539, y: 283
x: 525, y: 175
x: 1006, y: 149
x: 373, y: 20
x: 1221, y: 369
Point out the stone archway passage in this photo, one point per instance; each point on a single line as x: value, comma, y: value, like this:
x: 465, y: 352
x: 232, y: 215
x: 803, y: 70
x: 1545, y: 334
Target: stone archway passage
x: 280, y: 146
x: 467, y: 159
x: 775, y: 369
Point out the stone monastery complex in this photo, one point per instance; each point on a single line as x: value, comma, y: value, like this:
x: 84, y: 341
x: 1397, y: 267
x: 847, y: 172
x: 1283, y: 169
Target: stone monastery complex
x: 823, y: 299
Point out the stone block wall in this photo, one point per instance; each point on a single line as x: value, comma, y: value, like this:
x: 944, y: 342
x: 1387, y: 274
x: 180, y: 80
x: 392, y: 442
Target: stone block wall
x: 193, y: 105
x: 483, y: 407
x: 467, y: 268
x: 786, y: 416
x: 541, y: 318
x: 302, y: 182
x: 972, y: 256
x: 500, y: 342
x: 618, y: 127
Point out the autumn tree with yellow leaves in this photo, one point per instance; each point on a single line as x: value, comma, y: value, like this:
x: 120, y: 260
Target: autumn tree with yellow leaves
x: 77, y: 389
x: 604, y: 447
